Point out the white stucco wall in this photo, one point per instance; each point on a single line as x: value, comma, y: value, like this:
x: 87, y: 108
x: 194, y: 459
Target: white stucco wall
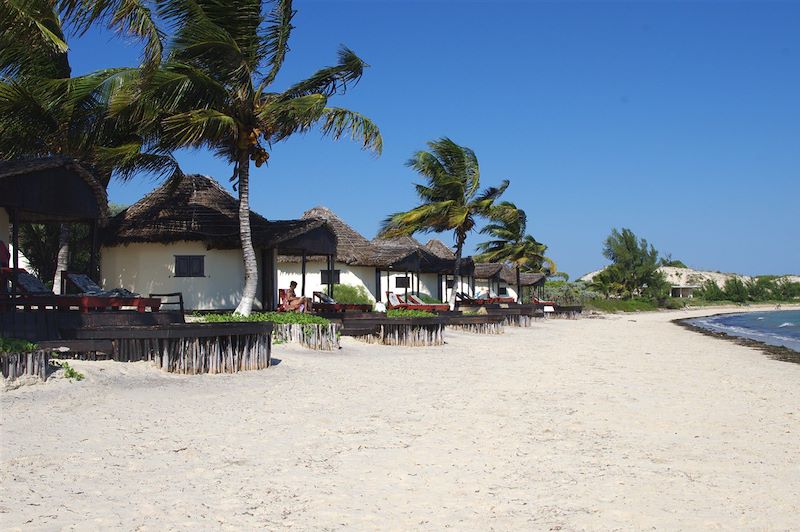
x: 150, y: 268
x: 481, y: 285
x: 348, y: 275
x: 5, y: 230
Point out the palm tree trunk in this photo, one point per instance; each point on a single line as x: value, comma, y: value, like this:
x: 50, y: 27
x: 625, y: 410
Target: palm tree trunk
x: 519, y: 287
x: 62, y: 262
x: 456, y: 272
x: 248, y: 252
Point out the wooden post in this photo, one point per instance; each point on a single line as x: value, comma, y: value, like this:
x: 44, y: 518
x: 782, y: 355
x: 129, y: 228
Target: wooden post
x: 377, y: 284
x: 331, y: 269
x: 15, y: 266
x: 269, y: 283
x: 303, y: 274
x: 439, y: 287
x: 408, y: 282
x: 93, y: 272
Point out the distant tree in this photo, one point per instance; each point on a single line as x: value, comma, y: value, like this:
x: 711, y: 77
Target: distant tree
x: 710, y: 291
x: 667, y: 260
x: 451, y: 200
x: 634, y: 263
x: 735, y: 290
x: 511, y: 244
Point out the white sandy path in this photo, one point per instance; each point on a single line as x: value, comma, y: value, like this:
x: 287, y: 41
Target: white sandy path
x: 628, y: 422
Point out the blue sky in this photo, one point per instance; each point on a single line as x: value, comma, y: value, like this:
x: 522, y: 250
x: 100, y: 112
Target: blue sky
x: 679, y: 120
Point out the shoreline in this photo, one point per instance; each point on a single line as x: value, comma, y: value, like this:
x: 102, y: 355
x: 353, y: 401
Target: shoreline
x: 775, y: 352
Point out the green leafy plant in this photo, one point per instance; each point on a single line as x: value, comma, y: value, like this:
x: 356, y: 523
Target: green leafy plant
x: 274, y: 317
x: 349, y: 294
x: 69, y: 371
x: 13, y: 345
x: 406, y: 313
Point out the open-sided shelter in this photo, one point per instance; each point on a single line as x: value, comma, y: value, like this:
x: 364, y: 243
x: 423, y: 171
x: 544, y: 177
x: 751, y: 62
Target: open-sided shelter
x: 48, y: 190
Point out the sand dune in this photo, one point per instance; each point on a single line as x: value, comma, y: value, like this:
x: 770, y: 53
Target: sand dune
x: 625, y: 422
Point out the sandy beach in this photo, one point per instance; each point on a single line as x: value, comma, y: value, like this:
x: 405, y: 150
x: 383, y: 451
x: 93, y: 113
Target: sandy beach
x: 622, y: 422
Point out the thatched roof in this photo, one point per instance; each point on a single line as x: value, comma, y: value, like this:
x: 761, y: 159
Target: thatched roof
x: 440, y: 249
x: 496, y: 270
x: 197, y: 208
x: 488, y: 270
x: 509, y: 275
x: 352, y: 247
x: 56, y: 189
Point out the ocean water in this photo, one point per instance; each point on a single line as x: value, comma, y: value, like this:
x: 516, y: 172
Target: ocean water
x: 778, y: 327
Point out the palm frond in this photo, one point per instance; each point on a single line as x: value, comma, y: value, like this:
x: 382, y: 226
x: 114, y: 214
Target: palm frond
x: 276, y: 38
x: 132, y: 17
x: 331, y: 80
x: 198, y: 128
x: 338, y: 122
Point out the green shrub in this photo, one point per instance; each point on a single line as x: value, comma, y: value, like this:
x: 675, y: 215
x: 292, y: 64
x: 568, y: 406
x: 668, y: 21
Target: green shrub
x: 710, y: 291
x: 12, y: 345
x: 735, y: 290
x: 354, y: 295
x: 405, y: 313
x: 621, y: 305
x: 274, y: 317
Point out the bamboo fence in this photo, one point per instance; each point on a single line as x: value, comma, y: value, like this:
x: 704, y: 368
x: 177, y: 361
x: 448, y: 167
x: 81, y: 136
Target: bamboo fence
x: 14, y: 365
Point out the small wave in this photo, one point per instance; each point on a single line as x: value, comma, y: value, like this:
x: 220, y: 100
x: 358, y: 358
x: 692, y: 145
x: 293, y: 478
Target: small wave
x: 787, y: 324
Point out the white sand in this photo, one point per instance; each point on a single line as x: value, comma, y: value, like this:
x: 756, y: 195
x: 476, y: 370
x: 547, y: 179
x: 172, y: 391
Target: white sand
x: 627, y: 422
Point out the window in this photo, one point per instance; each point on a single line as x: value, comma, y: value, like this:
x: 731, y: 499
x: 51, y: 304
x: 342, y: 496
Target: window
x: 190, y: 266
x: 503, y: 291
x: 402, y: 282
x: 450, y: 283
x: 326, y: 276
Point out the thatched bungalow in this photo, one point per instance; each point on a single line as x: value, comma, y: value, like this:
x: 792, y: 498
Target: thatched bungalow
x: 500, y: 280
x: 48, y: 190
x: 184, y: 237
x: 351, y: 264
x: 399, y: 264
x: 444, y: 270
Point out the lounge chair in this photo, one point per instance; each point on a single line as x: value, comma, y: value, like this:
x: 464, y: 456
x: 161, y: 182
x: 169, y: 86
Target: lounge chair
x: 36, y: 294
x: 328, y: 304
x: 467, y: 300
x: 414, y: 300
x: 394, y: 302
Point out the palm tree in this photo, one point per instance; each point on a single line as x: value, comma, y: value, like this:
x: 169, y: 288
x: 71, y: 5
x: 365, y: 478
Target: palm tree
x: 450, y: 200
x: 511, y: 245
x: 215, y: 90
x: 44, y: 111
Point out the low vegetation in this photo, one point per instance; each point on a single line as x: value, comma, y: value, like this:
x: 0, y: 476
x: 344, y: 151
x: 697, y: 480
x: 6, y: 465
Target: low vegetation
x: 766, y: 289
x: 351, y: 295
x: 621, y: 305
x: 69, y: 371
x: 405, y: 313
x: 274, y: 317
x: 12, y: 345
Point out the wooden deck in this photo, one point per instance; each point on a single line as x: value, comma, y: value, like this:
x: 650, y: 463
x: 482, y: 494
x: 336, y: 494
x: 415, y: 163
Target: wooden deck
x: 160, y: 337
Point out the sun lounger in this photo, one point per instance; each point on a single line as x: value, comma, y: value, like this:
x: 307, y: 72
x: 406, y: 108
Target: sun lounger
x: 394, y: 302
x: 36, y: 295
x: 328, y: 304
x: 417, y: 302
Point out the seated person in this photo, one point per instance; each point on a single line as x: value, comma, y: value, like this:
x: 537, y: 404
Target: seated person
x: 294, y: 303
